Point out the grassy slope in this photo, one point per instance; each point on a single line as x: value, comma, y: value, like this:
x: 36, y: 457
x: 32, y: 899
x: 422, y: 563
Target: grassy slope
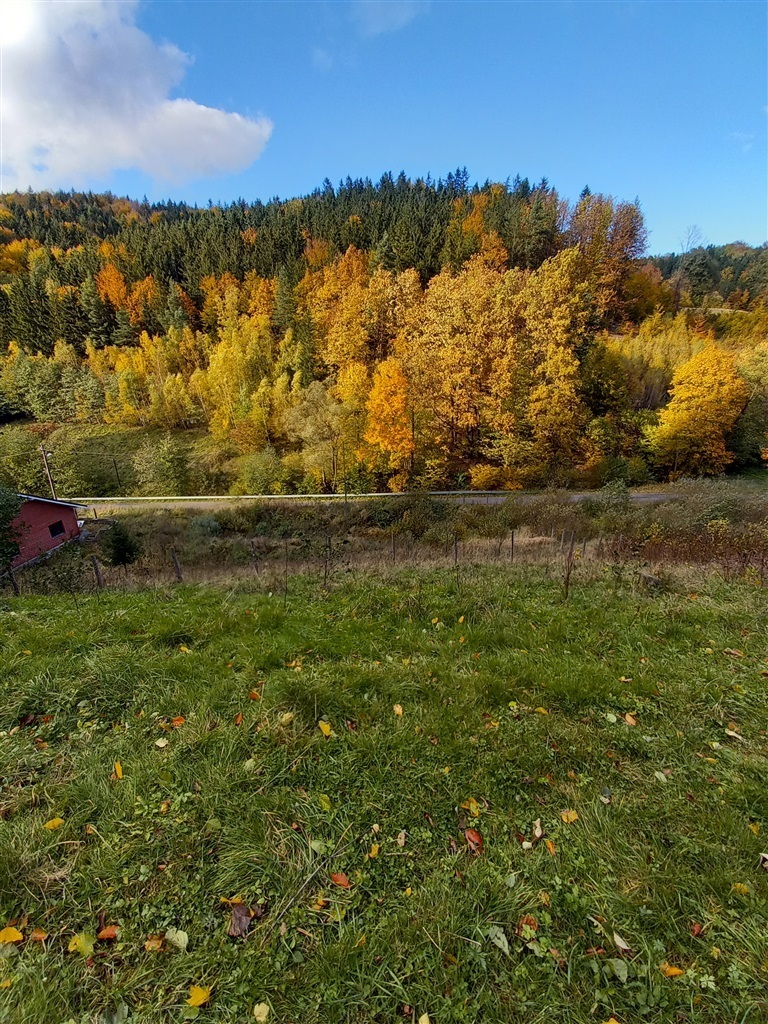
x: 673, y: 847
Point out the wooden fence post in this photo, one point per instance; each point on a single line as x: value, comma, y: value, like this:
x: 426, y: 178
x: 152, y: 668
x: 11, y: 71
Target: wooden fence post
x: 176, y: 566
x: 97, y: 573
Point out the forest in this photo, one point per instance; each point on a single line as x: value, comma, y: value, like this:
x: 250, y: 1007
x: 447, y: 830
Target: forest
x: 370, y: 336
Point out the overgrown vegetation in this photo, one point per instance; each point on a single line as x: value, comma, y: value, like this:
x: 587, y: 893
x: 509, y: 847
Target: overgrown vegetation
x: 473, y: 803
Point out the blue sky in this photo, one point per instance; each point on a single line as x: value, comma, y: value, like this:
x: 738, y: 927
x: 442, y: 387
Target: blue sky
x: 664, y: 101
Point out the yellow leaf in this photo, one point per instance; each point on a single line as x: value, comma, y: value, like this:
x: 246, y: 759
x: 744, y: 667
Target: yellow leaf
x: 447, y: 769
x: 424, y: 1018
x: 286, y: 718
x: 261, y: 1012
x: 541, y: 711
x: 550, y: 846
x: 11, y: 935
x: 361, y: 942
x: 374, y: 851
x: 754, y: 827
x: 461, y: 619
x: 198, y: 996
x: 398, y: 709
x: 569, y: 816
x: 162, y: 742
x: 184, y: 649
x: 611, y: 1020
x: 82, y: 944
x: 53, y: 824
x: 325, y: 728
x: 409, y: 891
x: 670, y: 972
x: 118, y: 770
x: 472, y: 806
x: 740, y: 888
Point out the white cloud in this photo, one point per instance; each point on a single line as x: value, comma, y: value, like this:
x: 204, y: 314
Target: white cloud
x: 373, y: 17
x: 85, y: 92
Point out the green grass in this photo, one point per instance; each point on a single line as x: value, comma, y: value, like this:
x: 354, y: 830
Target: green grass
x: 267, y: 809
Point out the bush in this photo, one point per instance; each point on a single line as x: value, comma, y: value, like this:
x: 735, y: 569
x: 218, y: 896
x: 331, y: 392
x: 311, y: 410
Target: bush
x: 119, y: 546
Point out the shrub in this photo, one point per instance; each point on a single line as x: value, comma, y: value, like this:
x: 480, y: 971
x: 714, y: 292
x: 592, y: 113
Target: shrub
x: 119, y: 546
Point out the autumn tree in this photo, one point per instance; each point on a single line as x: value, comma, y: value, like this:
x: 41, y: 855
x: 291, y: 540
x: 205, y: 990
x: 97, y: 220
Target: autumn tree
x: 707, y: 396
x: 390, y: 420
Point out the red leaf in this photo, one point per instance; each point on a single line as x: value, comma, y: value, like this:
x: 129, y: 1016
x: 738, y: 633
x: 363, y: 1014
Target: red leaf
x: 110, y: 932
x: 239, y: 718
x: 474, y: 841
x: 696, y: 928
x: 340, y: 879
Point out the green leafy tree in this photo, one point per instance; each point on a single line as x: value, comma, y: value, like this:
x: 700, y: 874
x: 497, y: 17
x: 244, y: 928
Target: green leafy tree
x: 10, y: 506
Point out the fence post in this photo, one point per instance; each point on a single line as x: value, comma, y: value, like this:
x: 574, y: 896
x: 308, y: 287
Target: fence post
x: 176, y: 566
x: 97, y: 573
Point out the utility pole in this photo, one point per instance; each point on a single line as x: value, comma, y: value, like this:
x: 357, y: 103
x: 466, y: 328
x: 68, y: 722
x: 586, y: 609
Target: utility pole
x: 45, y: 455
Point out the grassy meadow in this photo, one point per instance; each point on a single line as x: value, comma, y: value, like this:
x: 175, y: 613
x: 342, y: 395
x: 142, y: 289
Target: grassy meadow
x: 409, y: 796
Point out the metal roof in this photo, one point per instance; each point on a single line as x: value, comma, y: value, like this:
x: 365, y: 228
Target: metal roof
x: 52, y: 501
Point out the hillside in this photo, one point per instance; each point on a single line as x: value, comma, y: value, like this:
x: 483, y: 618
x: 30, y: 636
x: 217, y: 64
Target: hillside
x: 397, y: 334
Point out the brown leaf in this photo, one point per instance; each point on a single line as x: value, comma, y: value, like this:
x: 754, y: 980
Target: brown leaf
x: 474, y: 841
x: 734, y: 652
x: 111, y: 931
x: 696, y: 929
x: 240, y: 921
x: 630, y: 719
x: 526, y: 921
x: 340, y: 879
x: 239, y: 718
x: 38, y: 935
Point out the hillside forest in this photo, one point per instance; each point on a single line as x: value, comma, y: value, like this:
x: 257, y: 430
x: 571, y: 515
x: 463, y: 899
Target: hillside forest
x: 372, y: 336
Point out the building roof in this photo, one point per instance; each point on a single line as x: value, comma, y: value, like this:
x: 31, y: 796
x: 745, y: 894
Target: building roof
x: 52, y: 501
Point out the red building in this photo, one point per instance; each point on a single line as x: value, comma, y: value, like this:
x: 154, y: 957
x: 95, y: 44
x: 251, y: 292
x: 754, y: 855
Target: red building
x: 43, y: 525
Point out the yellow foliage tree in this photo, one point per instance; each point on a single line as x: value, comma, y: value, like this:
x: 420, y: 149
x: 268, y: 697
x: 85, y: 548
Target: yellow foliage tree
x: 707, y: 397
x: 390, y: 425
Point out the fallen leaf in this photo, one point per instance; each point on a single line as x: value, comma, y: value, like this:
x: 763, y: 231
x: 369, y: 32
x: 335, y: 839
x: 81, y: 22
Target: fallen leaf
x: 630, y: 719
x: 325, y: 802
x: 261, y: 1012
x: 611, y: 1020
x: 240, y: 921
x: 733, y: 652
x: 569, y: 816
x: 696, y: 929
x: 255, y: 695
x: 239, y: 718
x: 361, y: 942
x: 177, y: 938
x: 325, y: 728
x: 162, y: 742
x: 286, y: 718
x: 550, y: 846
x: 374, y: 851
x: 740, y: 888
x: 111, y: 931
x: 184, y: 649
x: 53, y: 824
x: 398, y: 709
x: 424, y: 1018
x: 754, y: 827
x: 670, y: 972
x: 472, y: 806
x: 498, y: 937
x: 38, y: 935
x: 178, y: 721
x: 339, y: 878
x: 474, y: 841
x: 118, y: 770
x: 541, y: 711
x: 198, y: 996
x: 621, y: 944
x: 82, y: 944
x: 154, y: 943
x: 526, y: 926
x: 401, y: 836
x: 11, y: 934
x: 538, y: 831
